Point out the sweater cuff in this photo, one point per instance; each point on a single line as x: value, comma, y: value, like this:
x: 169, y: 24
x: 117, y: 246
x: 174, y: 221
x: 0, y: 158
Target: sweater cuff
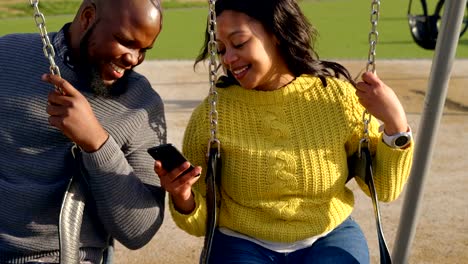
x: 392, y: 170
x: 193, y: 223
x: 382, y: 146
x: 102, y: 157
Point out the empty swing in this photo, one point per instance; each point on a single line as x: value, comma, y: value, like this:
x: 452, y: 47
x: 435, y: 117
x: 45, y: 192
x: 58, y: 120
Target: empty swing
x: 425, y: 27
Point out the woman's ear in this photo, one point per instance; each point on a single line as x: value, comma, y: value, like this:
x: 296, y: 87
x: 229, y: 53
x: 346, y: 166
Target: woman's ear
x: 276, y: 41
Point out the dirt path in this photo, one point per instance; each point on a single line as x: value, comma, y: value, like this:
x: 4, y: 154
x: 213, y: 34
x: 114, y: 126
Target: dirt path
x: 442, y: 231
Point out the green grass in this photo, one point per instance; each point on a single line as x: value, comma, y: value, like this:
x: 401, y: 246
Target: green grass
x: 47, y: 7
x: 343, y: 27
x: 21, y: 8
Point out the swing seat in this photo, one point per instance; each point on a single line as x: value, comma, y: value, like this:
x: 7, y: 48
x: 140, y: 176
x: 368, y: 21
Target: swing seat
x: 424, y: 30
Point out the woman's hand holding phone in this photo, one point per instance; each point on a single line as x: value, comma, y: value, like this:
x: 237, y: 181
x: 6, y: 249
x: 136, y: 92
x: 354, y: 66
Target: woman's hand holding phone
x: 176, y: 175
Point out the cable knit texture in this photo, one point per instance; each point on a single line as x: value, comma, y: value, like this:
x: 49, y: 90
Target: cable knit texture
x: 126, y: 200
x: 285, y: 159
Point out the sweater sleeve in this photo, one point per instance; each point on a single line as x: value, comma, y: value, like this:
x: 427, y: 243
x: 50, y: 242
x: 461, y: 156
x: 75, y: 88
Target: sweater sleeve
x: 128, y: 197
x: 194, y: 147
x: 391, y: 166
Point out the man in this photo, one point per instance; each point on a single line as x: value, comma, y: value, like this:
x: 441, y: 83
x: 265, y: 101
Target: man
x: 104, y: 107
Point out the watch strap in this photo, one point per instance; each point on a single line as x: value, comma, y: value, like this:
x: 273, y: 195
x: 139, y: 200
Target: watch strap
x: 391, y: 140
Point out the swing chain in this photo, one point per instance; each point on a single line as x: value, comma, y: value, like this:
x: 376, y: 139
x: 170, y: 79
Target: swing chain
x: 48, y: 49
x: 366, y: 118
x: 373, y: 39
x: 213, y: 67
x: 373, y: 35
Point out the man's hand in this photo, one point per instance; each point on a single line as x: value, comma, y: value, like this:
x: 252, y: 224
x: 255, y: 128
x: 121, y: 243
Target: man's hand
x: 72, y: 114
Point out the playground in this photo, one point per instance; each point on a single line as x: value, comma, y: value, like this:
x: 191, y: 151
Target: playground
x: 442, y: 230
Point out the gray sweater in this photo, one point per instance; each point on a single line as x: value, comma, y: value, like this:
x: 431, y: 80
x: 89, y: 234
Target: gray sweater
x: 127, y: 202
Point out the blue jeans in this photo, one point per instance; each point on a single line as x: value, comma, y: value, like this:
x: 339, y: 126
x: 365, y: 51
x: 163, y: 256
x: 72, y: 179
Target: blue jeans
x: 345, y: 244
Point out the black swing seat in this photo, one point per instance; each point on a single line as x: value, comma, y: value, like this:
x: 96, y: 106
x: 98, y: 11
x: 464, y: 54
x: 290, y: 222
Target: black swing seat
x: 424, y: 28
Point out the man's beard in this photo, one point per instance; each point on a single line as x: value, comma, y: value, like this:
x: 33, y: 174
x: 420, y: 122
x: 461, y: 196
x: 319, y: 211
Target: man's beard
x: 96, y: 83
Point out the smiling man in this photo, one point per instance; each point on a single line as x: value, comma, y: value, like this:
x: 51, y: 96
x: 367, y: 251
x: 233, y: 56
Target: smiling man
x: 107, y: 109
x: 111, y: 45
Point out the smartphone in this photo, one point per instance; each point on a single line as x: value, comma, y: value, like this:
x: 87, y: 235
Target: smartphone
x: 169, y: 156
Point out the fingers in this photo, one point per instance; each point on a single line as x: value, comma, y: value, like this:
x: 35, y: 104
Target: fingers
x: 56, y: 121
x: 370, y: 82
x: 159, y: 169
x: 55, y: 98
x: 362, y: 87
x: 56, y: 110
x: 179, y: 180
x: 60, y: 83
x: 182, y: 171
x: 62, y: 97
x: 53, y: 109
x: 185, y: 170
x: 370, y: 78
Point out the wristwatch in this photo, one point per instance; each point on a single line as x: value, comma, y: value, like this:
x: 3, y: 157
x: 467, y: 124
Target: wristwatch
x: 398, y: 140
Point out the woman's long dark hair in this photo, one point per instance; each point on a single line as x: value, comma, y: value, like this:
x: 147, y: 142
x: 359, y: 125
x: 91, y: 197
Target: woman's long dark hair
x: 295, y: 34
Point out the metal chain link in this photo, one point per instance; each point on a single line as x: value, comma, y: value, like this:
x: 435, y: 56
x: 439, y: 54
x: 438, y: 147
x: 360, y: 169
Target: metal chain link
x: 48, y: 49
x: 373, y: 35
x: 213, y: 68
x: 373, y: 39
x: 71, y: 212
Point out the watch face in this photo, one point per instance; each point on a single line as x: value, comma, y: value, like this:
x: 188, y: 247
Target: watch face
x: 401, y: 141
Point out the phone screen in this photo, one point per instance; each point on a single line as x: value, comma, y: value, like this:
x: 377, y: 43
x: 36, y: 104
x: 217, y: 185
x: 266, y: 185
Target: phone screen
x: 169, y: 156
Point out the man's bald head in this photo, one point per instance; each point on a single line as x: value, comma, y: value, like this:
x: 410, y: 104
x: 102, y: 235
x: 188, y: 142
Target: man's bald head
x: 93, y: 11
x: 112, y: 36
x: 110, y: 7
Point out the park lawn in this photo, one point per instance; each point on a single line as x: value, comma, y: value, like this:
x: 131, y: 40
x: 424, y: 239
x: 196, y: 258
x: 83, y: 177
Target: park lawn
x: 343, y: 27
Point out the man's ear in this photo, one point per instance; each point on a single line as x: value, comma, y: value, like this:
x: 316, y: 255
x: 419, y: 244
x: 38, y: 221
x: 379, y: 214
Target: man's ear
x: 87, y: 17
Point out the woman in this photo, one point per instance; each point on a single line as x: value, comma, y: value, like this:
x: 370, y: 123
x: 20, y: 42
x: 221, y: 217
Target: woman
x: 287, y: 123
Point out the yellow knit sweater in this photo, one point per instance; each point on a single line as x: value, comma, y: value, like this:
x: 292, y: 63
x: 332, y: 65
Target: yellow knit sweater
x: 284, y: 158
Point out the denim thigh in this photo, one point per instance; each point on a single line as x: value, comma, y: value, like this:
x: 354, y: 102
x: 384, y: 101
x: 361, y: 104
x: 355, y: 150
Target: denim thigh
x: 345, y: 244
x: 228, y: 250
